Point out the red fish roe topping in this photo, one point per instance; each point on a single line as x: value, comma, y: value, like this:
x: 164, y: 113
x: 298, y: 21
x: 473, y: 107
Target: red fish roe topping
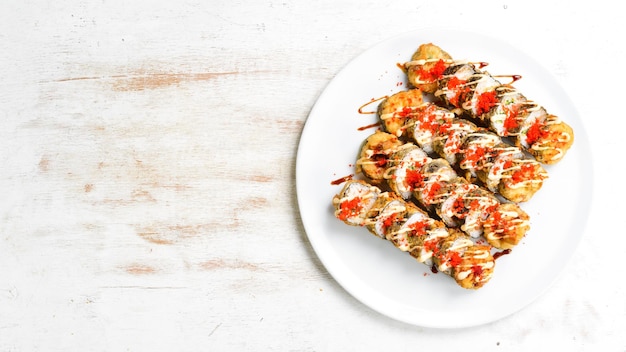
x: 414, y: 179
x: 455, y: 82
x: 474, y: 204
x: 433, y: 73
x: 500, y: 222
x: 418, y: 228
x: 459, y: 207
x: 406, y: 111
x: 475, y: 155
x: 349, y: 208
x: 496, y: 217
x: 445, y: 128
x: 485, y: 102
x: 458, y: 85
x: 511, y: 121
x: 525, y: 172
x: 454, y: 259
x: 428, y: 120
x: 534, y: 132
x: 453, y: 140
x: 490, y: 209
x: 388, y: 221
x: 432, y: 246
x: 432, y: 192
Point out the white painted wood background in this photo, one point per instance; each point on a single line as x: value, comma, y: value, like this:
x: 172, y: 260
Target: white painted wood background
x: 147, y: 174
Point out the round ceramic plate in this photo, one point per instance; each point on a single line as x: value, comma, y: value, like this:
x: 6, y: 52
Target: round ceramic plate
x: 389, y: 280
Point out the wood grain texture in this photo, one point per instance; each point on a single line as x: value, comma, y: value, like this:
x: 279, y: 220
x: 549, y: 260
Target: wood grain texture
x: 148, y: 157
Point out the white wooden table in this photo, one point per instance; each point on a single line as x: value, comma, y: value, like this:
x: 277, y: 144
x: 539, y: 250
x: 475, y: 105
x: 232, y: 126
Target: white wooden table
x: 147, y: 175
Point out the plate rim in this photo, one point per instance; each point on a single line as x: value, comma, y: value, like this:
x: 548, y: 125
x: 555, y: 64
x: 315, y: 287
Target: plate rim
x: 336, y: 272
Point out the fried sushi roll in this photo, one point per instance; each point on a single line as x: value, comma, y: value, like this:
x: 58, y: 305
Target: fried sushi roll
x: 410, y: 173
x: 387, y: 209
x: 394, y: 111
x: 424, y: 130
x: 411, y: 230
x: 459, y: 256
x: 488, y: 102
x: 545, y: 137
x: 354, y: 202
x: 405, y: 171
x: 426, y: 66
x: 419, y: 234
x: 502, y: 168
x: 481, y: 153
x: 373, y: 156
x: 505, y: 227
x: 438, y: 181
x: 468, y: 207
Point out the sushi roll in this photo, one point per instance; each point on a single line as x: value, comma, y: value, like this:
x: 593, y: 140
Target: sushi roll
x: 488, y: 102
x: 479, y: 152
x: 412, y: 230
x: 433, y: 183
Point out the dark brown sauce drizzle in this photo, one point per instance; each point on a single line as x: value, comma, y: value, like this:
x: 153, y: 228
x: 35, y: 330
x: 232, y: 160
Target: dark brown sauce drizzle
x: 433, y: 269
x: 514, y: 78
x: 499, y: 254
x: 342, y: 180
x: 368, y: 103
x: 363, y: 128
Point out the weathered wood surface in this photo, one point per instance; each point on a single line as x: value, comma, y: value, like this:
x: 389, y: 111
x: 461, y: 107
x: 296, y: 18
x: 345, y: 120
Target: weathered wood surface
x: 148, y: 174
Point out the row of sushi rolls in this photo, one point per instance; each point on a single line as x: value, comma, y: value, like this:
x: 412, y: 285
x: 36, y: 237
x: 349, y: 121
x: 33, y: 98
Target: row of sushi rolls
x: 443, y: 178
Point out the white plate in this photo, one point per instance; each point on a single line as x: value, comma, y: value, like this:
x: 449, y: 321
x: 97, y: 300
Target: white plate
x: 390, y: 281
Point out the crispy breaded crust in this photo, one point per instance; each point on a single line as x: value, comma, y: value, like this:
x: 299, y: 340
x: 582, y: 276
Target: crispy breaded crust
x: 517, y: 192
x: 557, y: 139
x: 429, y: 52
x: 392, y: 110
x: 374, y: 154
x: 505, y: 227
